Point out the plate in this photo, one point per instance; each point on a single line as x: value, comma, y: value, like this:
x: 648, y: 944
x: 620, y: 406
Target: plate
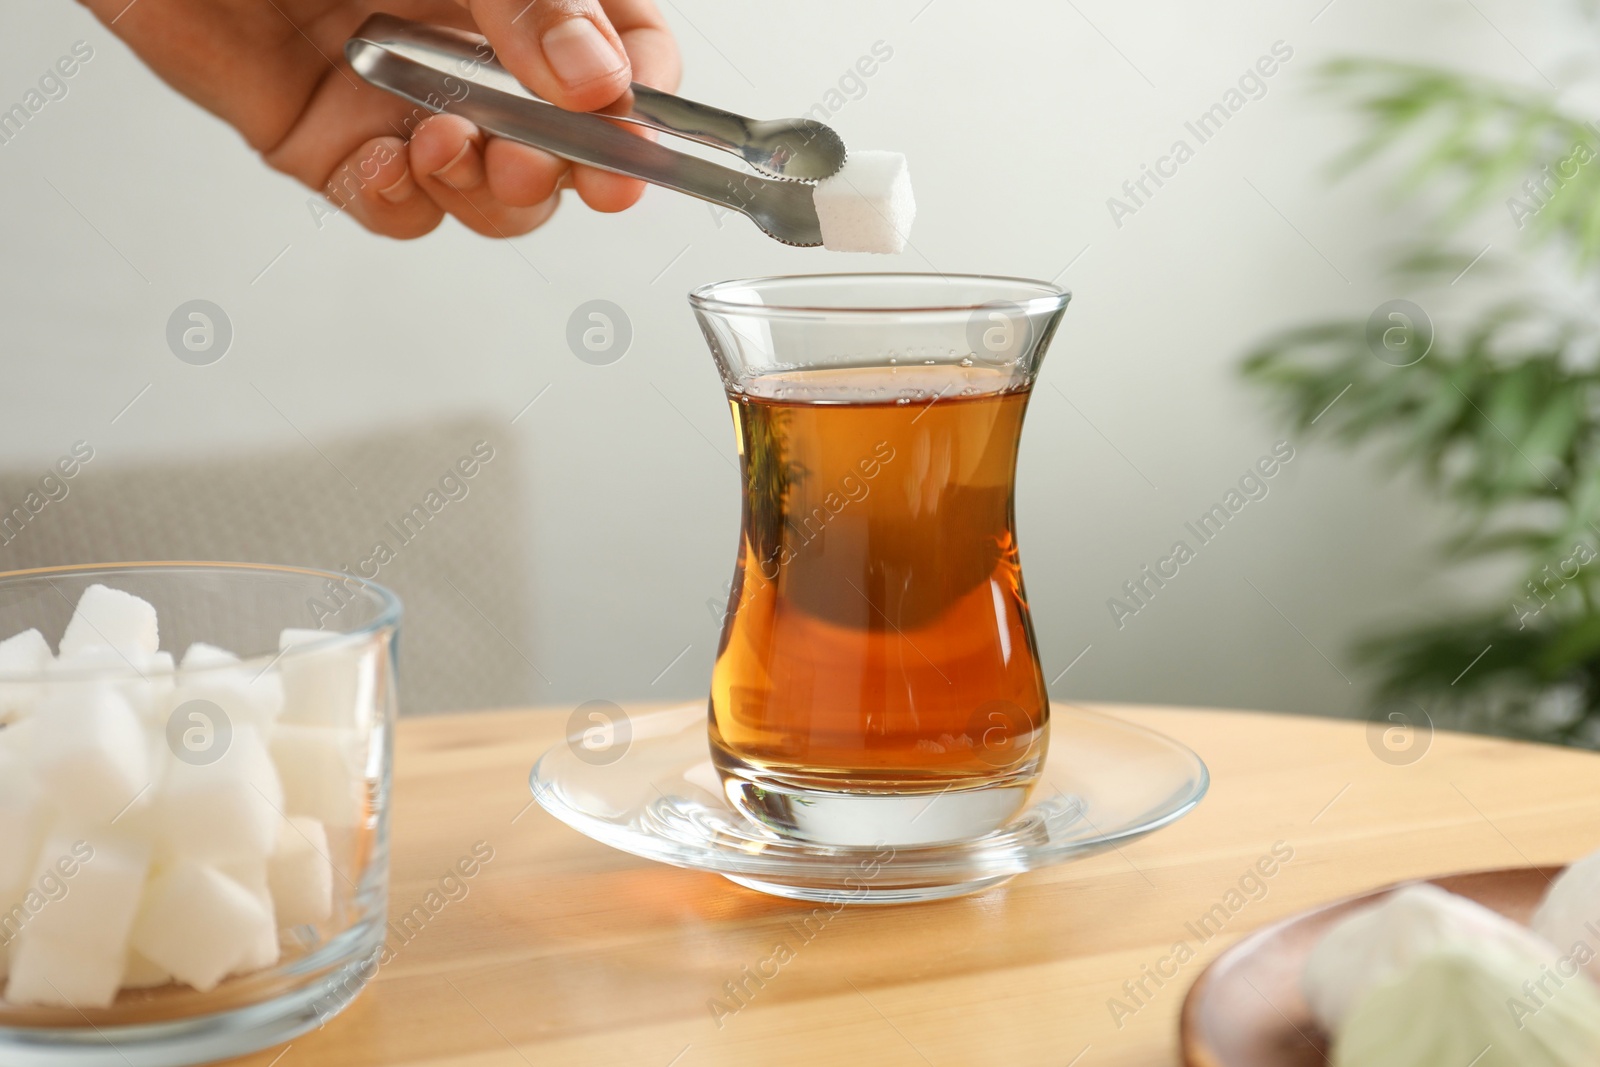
x: 1245, y: 1010
x: 1104, y: 782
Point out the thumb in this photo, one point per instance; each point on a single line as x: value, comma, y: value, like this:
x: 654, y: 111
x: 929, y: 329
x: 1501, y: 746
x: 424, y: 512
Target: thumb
x: 564, y: 50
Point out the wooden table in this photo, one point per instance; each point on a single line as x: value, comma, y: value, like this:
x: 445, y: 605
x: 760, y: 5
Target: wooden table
x: 565, y: 952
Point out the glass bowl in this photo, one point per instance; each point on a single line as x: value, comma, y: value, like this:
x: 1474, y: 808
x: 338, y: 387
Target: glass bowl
x: 193, y: 807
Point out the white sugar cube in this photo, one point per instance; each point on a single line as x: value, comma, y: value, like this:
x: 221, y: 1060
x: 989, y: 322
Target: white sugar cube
x: 229, y: 808
x: 90, y: 753
x: 22, y: 817
x: 140, y: 973
x: 19, y: 699
x: 106, y: 616
x: 300, y: 874
x: 62, y: 975
x: 253, y: 694
x: 201, y: 654
x: 24, y: 653
x: 91, y: 888
x: 197, y: 923
x: 321, y: 772
x: 14, y: 914
x: 294, y: 636
x: 13, y: 920
x: 160, y: 677
x: 263, y: 950
x: 867, y: 206
x: 23, y: 656
x: 325, y: 687
x: 140, y: 821
x: 144, y: 679
x: 247, y: 695
x: 21, y: 836
x: 16, y: 738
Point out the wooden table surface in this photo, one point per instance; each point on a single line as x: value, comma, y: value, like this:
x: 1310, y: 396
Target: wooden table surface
x: 562, y: 951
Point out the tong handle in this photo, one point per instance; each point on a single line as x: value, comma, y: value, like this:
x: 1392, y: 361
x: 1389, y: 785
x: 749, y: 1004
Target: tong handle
x: 683, y: 118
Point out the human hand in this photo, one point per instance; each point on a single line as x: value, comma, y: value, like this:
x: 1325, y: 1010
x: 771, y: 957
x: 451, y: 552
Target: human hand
x: 275, y: 70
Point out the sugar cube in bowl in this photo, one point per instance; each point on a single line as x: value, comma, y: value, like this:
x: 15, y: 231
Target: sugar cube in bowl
x: 193, y: 765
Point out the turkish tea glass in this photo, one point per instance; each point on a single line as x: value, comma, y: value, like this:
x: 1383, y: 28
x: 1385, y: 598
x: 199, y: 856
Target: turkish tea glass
x: 877, y: 680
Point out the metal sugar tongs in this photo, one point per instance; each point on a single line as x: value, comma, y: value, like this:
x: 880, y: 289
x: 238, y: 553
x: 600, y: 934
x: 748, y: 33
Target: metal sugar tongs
x: 455, y: 72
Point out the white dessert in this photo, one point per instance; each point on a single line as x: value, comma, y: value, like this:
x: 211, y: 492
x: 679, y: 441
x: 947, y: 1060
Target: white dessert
x: 1569, y: 916
x: 867, y: 206
x: 1469, y: 1003
x: 126, y: 861
x: 1374, y: 944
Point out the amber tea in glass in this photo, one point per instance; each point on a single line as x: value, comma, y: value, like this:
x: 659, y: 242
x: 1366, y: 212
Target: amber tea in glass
x: 877, y: 679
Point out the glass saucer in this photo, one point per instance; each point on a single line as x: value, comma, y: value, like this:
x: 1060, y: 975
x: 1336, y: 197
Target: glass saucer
x: 655, y: 794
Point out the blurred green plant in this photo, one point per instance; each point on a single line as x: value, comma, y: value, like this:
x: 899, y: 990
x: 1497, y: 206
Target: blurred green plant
x: 1502, y: 422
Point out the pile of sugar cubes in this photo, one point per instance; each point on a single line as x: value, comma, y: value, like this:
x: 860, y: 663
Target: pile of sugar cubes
x: 867, y: 206
x: 143, y: 843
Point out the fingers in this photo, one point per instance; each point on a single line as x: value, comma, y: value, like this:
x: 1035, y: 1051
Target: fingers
x: 391, y: 186
x: 374, y: 184
x: 652, y: 51
x: 581, y: 55
x: 349, y: 143
x: 522, y: 176
x: 653, y: 55
x: 535, y: 39
x: 448, y: 162
x: 604, y: 191
x: 565, y: 50
x: 495, y: 187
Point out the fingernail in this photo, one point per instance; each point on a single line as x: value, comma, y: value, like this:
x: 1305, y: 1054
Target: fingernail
x: 463, y: 172
x: 400, y: 190
x: 579, y: 53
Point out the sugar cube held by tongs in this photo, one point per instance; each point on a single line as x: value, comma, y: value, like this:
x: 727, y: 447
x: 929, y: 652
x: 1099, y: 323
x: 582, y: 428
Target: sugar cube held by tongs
x: 801, y: 162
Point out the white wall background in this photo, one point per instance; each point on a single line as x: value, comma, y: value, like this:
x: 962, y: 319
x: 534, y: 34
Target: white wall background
x: 123, y: 200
